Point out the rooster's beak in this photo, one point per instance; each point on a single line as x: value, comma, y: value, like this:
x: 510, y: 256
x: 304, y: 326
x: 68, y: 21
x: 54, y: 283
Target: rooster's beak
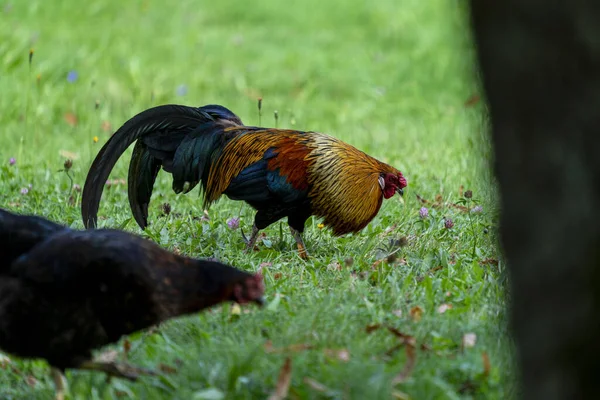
x: 400, y: 191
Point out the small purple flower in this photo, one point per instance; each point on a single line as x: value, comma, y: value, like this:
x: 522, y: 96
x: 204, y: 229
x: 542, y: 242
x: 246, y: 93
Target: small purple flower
x: 182, y: 90
x: 477, y: 209
x: 423, y: 212
x: 448, y: 223
x: 29, y: 185
x: 12, y: 161
x: 233, y: 223
x: 24, y: 191
x: 72, y: 76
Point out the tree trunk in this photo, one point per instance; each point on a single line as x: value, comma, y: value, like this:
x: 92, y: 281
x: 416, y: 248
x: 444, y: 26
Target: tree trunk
x: 540, y: 65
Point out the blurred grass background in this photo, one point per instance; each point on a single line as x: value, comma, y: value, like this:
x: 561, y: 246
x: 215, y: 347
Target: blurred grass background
x: 393, y: 78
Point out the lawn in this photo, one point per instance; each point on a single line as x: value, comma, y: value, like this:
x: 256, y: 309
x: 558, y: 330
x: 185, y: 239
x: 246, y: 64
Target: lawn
x: 395, y: 78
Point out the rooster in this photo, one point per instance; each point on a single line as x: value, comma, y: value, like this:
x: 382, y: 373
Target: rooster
x: 76, y: 291
x: 278, y: 172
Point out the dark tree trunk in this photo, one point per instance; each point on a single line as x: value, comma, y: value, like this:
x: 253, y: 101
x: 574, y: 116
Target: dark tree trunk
x: 540, y: 64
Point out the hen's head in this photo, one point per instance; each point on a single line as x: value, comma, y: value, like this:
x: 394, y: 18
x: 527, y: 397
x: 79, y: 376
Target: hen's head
x: 392, y: 183
x: 249, y: 290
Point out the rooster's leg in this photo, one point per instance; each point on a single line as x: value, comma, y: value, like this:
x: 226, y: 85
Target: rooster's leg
x: 301, y: 247
x: 252, y: 241
x: 59, y: 383
x: 117, y: 370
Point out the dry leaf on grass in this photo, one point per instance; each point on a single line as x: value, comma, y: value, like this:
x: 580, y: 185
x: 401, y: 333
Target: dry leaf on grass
x: 283, y: 382
x: 473, y: 100
x: 235, y: 309
x: 487, y: 366
x: 398, y: 395
x: 469, y: 340
x: 31, y: 381
x: 339, y: 354
x: 373, y: 327
x: 108, y: 356
x: 313, y: 384
x: 293, y: 348
x: 491, y: 261
x: 4, y: 361
x: 70, y: 118
x: 126, y: 348
x: 416, y: 313
x: 411, y: 359
x: 68, y: 154
x: 167, y: 369
x: 443, y: 308
x: 106, y: 127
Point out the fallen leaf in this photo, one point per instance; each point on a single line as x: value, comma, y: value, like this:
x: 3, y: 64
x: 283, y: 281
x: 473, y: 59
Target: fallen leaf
x: 411, y: 359
x: 443, y: 308
x: 340, y: 354
x: 68, y: 154
x: 277, y: 275
x: 469, y: 340
x: 167, y: 369
x: 106, y: 127
x: 435, y: 269
x: 460, y: 207
x: 404, y: 337
x: 31, y: 381
x: 473, y: 100
x: 335, y: 266
x: 486, y: 364
x: 397, y: 313
x: 126, y: 348
x: 236, y: 309
x: 70, y: 118
x: 283, y: 382
x: 313, y: 384
x: 293, y: 348
x: 371, y: 328
x: 108, y: 356
x: 4, y: 361
x: 390, y: 229
x: 398, y: 395
x: 491, y: 261
x: 208, y: 394
x: 416, y: 313
x: 461, y: 190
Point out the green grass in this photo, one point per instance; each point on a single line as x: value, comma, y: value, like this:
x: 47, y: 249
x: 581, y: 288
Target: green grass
x: 389, y: 77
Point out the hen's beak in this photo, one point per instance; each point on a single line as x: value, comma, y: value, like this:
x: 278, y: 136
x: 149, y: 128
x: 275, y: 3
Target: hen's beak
x: 400, y: 191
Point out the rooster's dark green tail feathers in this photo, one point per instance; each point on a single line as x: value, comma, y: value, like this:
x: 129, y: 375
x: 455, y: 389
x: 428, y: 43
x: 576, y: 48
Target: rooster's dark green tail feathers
x: 160, y: 129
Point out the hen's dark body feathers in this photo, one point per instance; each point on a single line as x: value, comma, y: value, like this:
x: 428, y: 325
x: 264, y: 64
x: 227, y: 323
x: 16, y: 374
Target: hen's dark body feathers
x: 79, y: 290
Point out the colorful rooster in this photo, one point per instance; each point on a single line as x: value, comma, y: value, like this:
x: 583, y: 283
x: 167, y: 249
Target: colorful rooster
x: 279, y: 172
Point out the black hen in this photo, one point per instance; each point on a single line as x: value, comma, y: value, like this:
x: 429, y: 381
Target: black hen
x: 19, y: 233
x: 80, y: 290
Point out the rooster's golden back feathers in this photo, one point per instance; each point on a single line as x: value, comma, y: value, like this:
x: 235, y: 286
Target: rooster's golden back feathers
x: 342, y: 181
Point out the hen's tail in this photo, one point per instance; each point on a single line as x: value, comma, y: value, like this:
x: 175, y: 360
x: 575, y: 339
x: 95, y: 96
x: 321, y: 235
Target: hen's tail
x: 168, y: 136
